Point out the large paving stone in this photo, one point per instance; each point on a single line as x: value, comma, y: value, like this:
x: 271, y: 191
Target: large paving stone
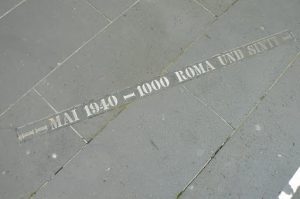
x: 261, y: 158
x: 24, y: 167
x: 233, y: 90
x: 136, y: 47
x: 37, y: 36
x: 151, y: 150
x: 111, y: 8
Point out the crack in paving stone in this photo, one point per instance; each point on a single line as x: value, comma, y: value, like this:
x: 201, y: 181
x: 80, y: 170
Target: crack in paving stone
x: 95, y: 107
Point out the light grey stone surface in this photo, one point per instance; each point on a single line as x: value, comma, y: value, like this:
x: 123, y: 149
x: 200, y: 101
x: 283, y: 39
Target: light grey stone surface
x: 261, y: 158
x: 150, y: 151
x: 153, y: 147
x: 111, y: 8
x: 24, y: 167
x: 136, y: 47
x: 37, y: 36
x: 217, y: 7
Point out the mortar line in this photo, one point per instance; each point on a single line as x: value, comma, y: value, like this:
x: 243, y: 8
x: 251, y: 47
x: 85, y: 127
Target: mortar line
x: 98, y: 11
x: 54, y: 109
x: 11, y: 9
x: 77, y: 133
x: 205, y: 8
x: 67, y: 58
x: 241, y: 124
x: 209, y: 107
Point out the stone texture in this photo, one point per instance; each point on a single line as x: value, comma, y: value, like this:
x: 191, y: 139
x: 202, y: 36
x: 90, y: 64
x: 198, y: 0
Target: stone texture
x: 24, y: 167
x: 232, y: 91
x: 217, y: 7
x: 136, y: 47
x: 151, y: 150
x: 112, y: 8
x: 38, y: 35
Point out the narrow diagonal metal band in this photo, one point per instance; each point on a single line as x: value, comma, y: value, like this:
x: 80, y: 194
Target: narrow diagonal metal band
x: 99, y: 106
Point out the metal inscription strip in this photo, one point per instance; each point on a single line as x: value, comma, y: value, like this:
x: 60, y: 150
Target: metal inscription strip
x: 99, y: 106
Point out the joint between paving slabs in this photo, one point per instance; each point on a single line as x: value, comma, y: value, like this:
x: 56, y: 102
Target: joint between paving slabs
x: 241, y: 124
x: 209, y: 107
x: 55, y: 111
x: 98, y: 11
x: 33, y: 194
x: 12, y: 9
x: 206, y: 9
x: 211, y: 12
x: 67, y: 58
x: 232, y: 4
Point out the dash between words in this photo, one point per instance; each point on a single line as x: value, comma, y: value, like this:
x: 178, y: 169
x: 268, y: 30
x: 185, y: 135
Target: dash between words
x: 146, y: 88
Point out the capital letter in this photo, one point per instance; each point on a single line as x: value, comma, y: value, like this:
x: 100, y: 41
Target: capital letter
x: 180, y: 76
x: 55, y: 123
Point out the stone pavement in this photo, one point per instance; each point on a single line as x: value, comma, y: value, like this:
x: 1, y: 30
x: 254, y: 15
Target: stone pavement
x: 233, y: 133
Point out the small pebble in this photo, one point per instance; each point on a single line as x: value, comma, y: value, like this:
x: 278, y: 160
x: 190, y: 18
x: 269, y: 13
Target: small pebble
x: 54, y: 156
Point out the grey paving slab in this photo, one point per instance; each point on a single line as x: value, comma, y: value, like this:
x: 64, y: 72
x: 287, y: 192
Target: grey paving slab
x: 36, y: 37
x: 112, y: 8
x: 217, y: 7
x: 297, y: 194
x: 24, y: 167
x: 7, y: 5
x: 232, y: 91
x: 261, y: 158
x: 136, y: 47
x: 151, y: 150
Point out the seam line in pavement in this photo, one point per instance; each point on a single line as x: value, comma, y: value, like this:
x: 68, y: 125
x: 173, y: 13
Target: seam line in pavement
x: 209, y: 107
x: 67, y: 58
x: 98, y: 11
x: 232, y: 4
x: 10, y: 10
x: 54, y: 109
x: 205, y: 8
x: 55, y: 173
x: 241, y: 124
